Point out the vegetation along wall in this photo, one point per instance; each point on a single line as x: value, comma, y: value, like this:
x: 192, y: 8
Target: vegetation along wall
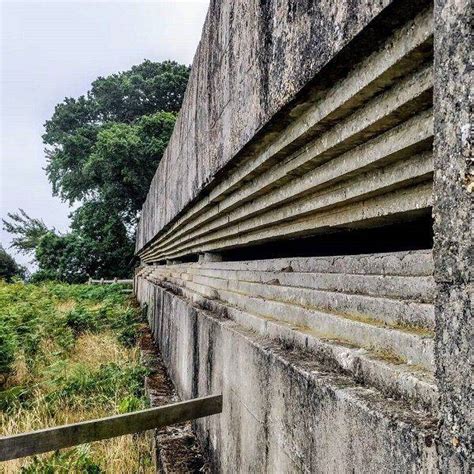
x: 305, y: 243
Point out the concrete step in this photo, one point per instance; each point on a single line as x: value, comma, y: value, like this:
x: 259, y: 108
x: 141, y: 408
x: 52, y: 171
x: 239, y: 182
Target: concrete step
x: 412, y: 346
x: 394, y: 312
x: 405, y: 263
x: 419, y: 289
x: 381, y: 370
x: 368, y: 315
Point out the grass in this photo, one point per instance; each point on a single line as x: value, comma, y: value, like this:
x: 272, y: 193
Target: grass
x: 68, y: 353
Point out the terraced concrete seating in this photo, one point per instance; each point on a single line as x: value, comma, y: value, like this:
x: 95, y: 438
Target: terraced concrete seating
x: 368, y: 315
x: 359, y: 155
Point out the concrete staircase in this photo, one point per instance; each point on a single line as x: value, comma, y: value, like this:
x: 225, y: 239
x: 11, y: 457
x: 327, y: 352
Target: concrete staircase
x: 369, y: 316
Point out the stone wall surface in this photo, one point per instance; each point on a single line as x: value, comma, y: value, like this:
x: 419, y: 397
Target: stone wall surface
x: 252, y: 59
x: 453, y: 244
x: 305, y: 124
x: 283, y: 410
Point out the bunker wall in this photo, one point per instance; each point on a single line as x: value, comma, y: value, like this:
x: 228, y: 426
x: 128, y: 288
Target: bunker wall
x: 283, y: 411
x: 253, y: 58
x: 306, y: 128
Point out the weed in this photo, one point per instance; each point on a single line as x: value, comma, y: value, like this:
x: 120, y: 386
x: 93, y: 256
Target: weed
x: 74, y: 460
x: 130, y: 403
x: 127, y: 326
x: 81, y: 319
x: 68, y: 353
x: 7, y: 349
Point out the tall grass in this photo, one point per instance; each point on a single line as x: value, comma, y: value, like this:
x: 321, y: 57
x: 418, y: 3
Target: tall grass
x: 68, y: 353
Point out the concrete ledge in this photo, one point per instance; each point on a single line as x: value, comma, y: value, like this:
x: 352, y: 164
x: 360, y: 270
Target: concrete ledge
x: 419, y: 289
x: 344, y: 319
x: 380, y: 369
x: 364, y: 315
x: 413, y: 346
x: 392, y: 207
x: 363, y: 87
x: 408, y: 263
x: 284, y: 411
x: 379, y: 309
x: 371, y: 322
x: 410, y: 172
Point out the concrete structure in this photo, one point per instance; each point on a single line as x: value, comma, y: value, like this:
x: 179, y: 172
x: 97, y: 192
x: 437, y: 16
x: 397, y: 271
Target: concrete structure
x: 288, y: 253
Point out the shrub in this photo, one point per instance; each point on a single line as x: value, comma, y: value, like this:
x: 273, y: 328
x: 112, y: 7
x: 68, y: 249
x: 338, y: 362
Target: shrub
x: 127, y: 325
x: 74, y: 460
x: 129, y: 404
x: 7, y: 349
x: 81, y: 319
x: 13, y: 398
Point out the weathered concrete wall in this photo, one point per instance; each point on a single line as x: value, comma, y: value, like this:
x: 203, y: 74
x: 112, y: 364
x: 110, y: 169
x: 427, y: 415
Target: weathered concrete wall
x: 368, y: 316
x: 252, y: 59
x: 283, y: 410
x: 303, y: 119
x: 453, y: 245
x: 357, y: 154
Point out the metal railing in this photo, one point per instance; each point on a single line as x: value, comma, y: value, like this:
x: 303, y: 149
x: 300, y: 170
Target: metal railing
x: 51, y: 439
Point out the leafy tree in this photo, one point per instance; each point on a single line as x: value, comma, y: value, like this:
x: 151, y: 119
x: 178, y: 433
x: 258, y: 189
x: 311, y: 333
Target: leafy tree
x: 102, y: 151
x: 27, y: 231
x: 99, y: 244
x: 57, y: 257
x: 106, y: 239
x: 111, y: 140
x: 8, y: 267
x: 122, y: 163
x: 143, y: 90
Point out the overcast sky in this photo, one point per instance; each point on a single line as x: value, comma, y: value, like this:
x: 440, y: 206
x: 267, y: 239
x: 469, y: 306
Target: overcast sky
x: 53, y: 49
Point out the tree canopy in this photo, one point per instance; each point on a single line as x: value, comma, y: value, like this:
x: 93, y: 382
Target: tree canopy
x: 107, y: 144
x: 118, y: 165
x: 8, y: 266
x: 102, y: 151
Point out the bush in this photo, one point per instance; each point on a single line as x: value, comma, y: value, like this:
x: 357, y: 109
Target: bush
x: 127, y: 325
x: 74, y: 460
x: 129, y: 404
x: 7, y: 349
x: 81, y: 319
x: 13, y: 398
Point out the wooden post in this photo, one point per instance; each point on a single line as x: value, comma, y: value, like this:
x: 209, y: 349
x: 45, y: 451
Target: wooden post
x: 51, y: 439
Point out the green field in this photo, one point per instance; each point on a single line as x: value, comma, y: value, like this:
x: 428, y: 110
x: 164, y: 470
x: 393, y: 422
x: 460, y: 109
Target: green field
x: 69, y: 353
